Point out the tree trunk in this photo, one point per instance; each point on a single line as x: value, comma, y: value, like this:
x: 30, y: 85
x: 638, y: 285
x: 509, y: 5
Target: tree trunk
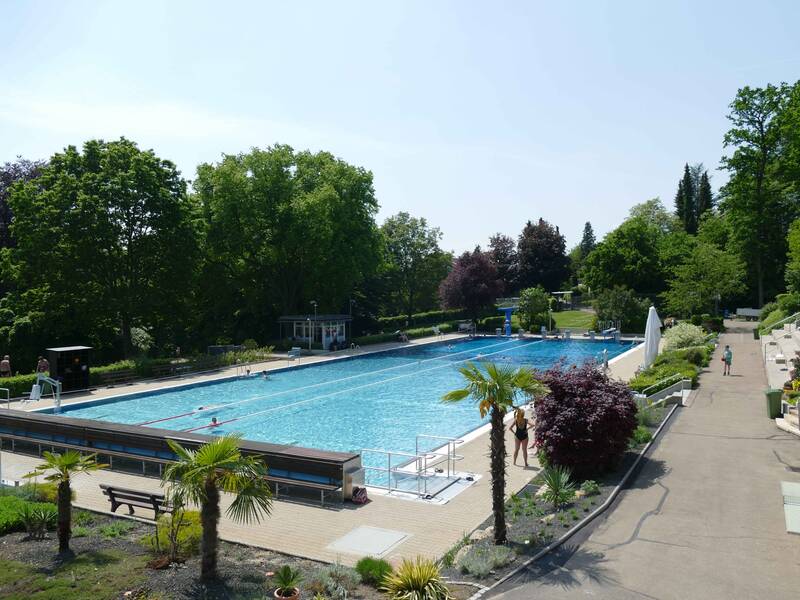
x: 126, y: 336
x: 498, y: 467
x: 209, y: 519
x: 64, y: 515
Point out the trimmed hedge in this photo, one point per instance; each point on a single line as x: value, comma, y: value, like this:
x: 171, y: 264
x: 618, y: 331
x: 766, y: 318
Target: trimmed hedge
x: 382, y: 338
x: 431, y: 317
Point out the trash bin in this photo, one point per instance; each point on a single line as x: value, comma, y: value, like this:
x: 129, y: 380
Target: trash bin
x: 755, y: 333
x: 774, y: 403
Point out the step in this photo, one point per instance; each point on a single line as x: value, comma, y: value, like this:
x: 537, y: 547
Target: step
x: 784, y: 425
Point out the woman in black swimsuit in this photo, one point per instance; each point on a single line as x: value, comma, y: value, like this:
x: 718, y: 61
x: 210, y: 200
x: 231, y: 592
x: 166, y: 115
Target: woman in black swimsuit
x: 520, y: 429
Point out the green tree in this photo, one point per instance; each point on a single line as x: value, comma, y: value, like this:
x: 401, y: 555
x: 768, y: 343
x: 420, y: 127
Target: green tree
x: 705, y: 197
x: 542, y: 256
x: 282, y: 228
x: 105, y: 243
x: 60, y: 469
x: 685, y: 208
x: 588, y: 241
x: 793, y: 256
x: 708, y: 275
x: 753, y: 200
x: 495, y: 392
x: 503, y: 253
x: 416, y: 264
x: 219, y: 466
x: 533, y: 305
x: 628, y: 256
x: 622, y: 305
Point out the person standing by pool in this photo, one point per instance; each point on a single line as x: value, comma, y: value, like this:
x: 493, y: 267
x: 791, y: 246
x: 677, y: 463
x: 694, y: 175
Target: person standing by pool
x: 727, y: 359
x: 43, y: 366
x: 520, y: 429
x: 5, y: 366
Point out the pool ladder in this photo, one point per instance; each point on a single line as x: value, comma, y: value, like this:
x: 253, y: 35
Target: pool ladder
x: 425, y: 463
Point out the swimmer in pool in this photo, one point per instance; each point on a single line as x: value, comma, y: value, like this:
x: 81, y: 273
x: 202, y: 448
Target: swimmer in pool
x: 214, y: 422
x: 264, y: 375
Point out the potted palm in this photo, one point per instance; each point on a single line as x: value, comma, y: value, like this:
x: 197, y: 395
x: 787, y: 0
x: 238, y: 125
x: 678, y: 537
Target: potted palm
x: 288, y: 580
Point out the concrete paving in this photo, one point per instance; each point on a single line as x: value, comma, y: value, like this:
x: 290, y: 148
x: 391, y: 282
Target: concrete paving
x: 704, y: 517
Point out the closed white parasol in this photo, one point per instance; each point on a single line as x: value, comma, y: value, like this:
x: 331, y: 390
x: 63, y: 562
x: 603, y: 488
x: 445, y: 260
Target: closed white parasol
x: 652, y: 337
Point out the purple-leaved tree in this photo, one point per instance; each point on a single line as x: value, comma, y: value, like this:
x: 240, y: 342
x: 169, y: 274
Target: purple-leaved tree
x: 586, y: 420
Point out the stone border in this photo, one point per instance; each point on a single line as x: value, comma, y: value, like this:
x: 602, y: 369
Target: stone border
x: 586, y: 520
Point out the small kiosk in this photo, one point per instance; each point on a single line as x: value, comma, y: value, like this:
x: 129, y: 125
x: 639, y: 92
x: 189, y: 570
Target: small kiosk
x: 327, y: 330
x: 70, y: 366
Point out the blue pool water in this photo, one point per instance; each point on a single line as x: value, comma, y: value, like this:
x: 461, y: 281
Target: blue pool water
x: 381, y: 400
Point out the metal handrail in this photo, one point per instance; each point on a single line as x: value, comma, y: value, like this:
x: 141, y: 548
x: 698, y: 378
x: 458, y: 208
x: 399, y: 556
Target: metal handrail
x: 782, y: 322
x: 676, y: 376
x: 450, y: 455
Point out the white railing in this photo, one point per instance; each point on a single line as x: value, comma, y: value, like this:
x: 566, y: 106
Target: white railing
x: 420, y: 465
x: 666, y: 382
x: 781, y: 323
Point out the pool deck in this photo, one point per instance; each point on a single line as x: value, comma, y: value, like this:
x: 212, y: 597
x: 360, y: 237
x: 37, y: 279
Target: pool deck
x: 307, y: 529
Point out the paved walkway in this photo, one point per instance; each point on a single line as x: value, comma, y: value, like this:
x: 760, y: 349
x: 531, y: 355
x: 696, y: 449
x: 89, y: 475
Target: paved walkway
x: 704, y: 518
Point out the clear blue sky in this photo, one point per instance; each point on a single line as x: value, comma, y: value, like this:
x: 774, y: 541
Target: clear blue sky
x: 477, y: 116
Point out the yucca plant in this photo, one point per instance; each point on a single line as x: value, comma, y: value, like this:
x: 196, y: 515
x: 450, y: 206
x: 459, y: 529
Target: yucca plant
x: 219, y: 466
x: 60, y: 468
x: 560, y: 488
x: 288, y: 581
x: 38, y: 519
x: 495, y: 392
x: 419, y: 579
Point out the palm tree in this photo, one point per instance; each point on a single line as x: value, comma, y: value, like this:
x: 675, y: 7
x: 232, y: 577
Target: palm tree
x: 63, y: 467
x: 495, y: 392
x: 200, y: 475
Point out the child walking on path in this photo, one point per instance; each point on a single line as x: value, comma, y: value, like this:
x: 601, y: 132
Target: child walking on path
x: 727, y: 358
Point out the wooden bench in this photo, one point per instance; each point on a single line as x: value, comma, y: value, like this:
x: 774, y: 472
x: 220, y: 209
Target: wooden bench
x: 313, y: 485
x: 130, y: 498
x: 113, y: 377
x: 163, y: 370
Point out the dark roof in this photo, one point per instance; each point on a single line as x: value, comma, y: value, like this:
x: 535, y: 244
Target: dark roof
x: 286, y: 318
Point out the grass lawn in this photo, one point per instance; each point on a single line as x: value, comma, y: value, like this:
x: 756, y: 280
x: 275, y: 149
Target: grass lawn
x: 575, y: 319
x: 100, y: 574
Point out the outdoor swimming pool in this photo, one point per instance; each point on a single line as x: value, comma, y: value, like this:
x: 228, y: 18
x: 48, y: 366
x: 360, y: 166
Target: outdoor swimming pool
x: 380, y: 400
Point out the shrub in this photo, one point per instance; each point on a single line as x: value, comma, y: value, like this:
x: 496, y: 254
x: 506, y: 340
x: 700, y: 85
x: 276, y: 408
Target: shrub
x: 479, y: 561
x: 11, y: 509
x: 590, y: 487
x: 19, y: 385
x: 789, y: 303
x: 560, y: 488
x: 250, y: 344
x: 641, y: 435
x: 187, y: 536
x: 37, y: 518
x: 116, y: 529
x: 584, y: 423
x: 416, y: 580
x: 767, y: 309
x: 772, y: 318
x: 683, y: 335
x: 83, y: 518
x: 80, y: 531
x: 335, y: 581
x: 42, y: 492
x: 373, y: 570
x: 696, y: 356
x: 665, y: 366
